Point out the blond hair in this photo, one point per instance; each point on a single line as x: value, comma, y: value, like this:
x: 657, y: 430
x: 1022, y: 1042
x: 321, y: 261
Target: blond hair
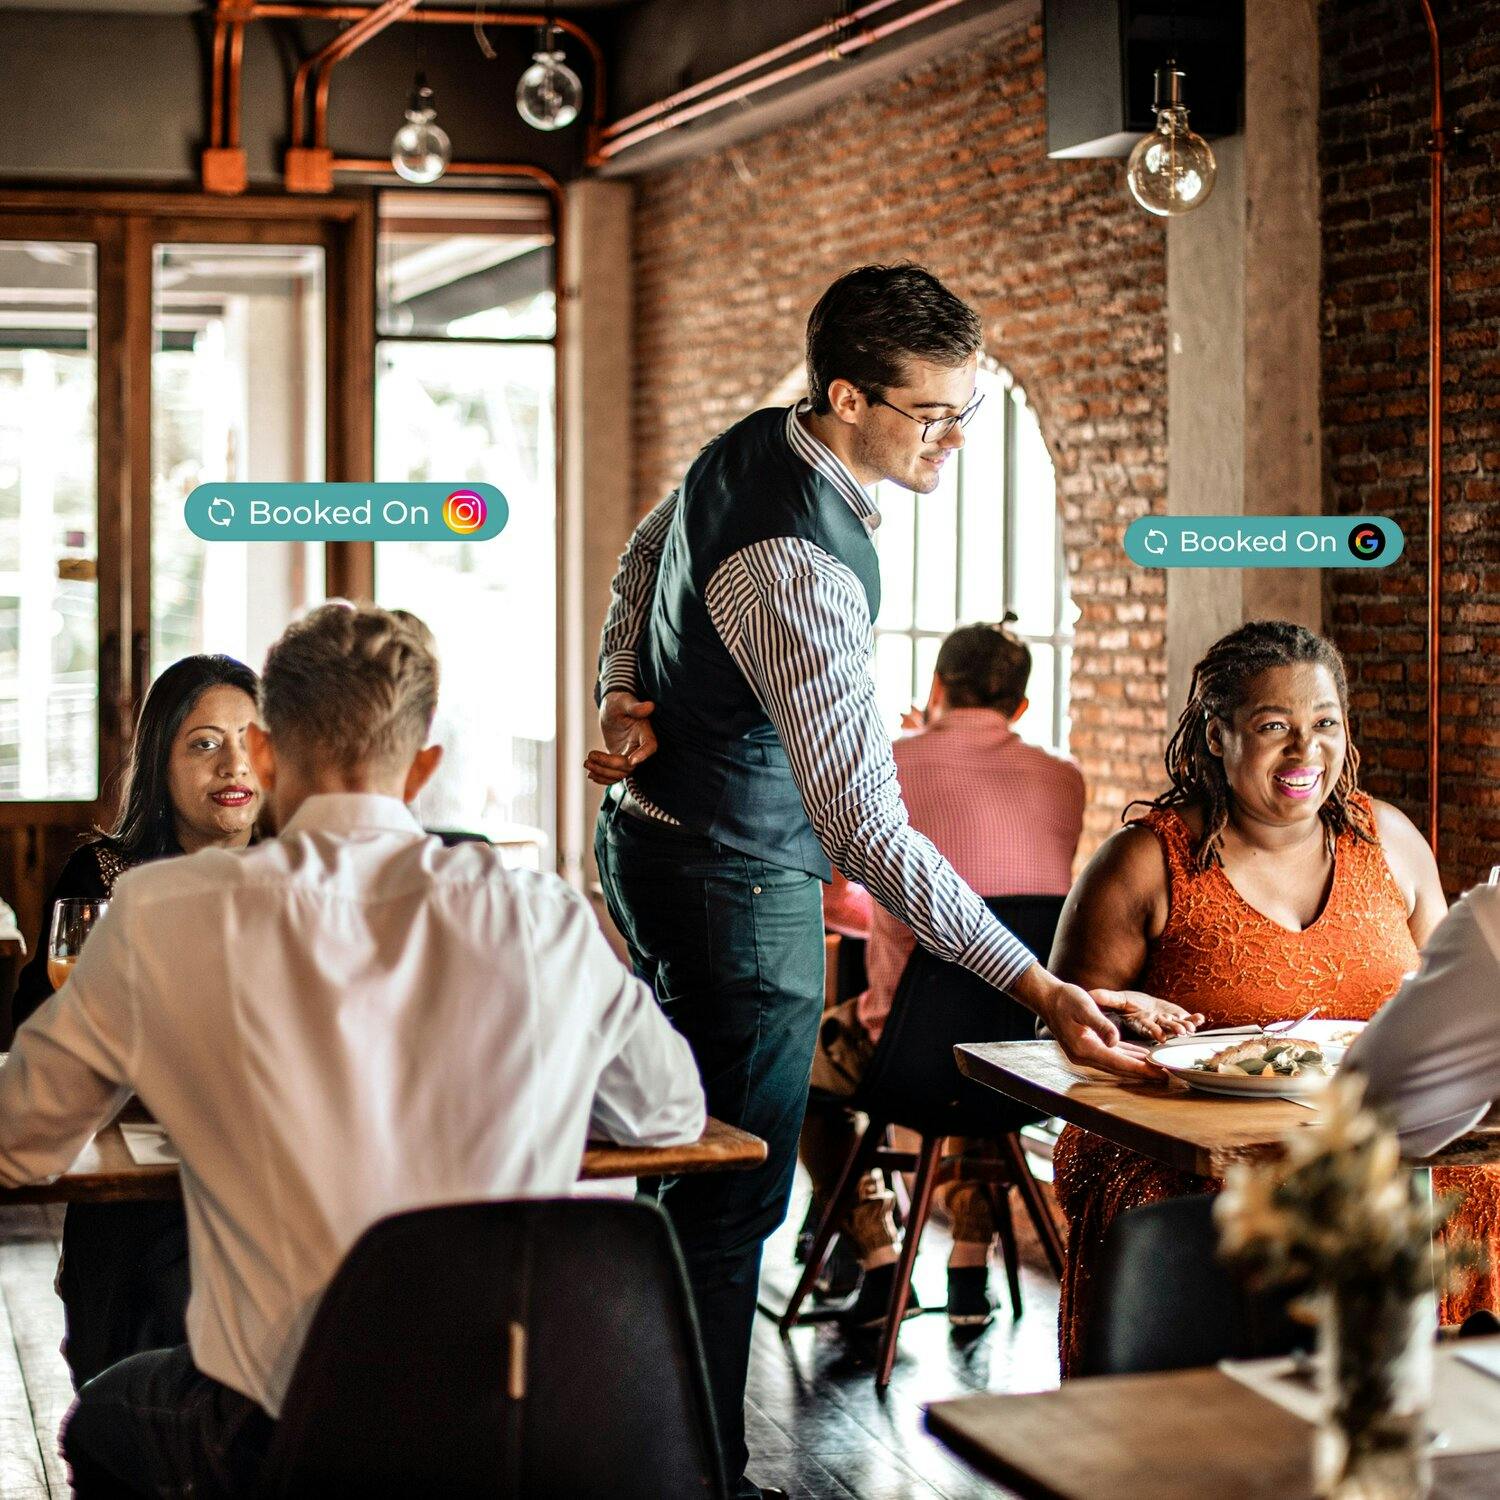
x: 351, y: 685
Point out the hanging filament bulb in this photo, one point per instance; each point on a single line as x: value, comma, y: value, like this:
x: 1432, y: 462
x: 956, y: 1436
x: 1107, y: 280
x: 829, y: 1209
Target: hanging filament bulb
x: 1172, y: 170
x: 550, y: 93
x: 421, y: 151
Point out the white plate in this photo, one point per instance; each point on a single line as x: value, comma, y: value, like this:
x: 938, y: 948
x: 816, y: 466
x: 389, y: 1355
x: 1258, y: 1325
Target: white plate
x: 1178, y: 1058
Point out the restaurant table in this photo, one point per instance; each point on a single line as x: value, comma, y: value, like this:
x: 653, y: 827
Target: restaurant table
x: 1178, y: 1436
x: 1167, y: 1121
x: 106, y: 1172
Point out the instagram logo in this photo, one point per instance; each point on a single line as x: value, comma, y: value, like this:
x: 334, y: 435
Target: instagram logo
x: 464, y: 512
x: 1367, y: 542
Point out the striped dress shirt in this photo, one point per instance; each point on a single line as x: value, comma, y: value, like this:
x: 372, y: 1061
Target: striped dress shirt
x: 796, y: 623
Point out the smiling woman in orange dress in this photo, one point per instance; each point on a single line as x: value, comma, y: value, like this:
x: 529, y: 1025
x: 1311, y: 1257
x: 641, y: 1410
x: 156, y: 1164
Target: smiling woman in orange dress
x: 1263, y: 882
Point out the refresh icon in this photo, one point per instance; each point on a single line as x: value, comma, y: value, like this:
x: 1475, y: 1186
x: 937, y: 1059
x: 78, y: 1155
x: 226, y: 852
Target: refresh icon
x: 1155, y: 542
x: 221, y: 511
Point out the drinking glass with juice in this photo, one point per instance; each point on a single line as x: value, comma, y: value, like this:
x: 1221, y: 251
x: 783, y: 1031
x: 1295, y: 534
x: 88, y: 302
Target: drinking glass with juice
x: 73, y: 919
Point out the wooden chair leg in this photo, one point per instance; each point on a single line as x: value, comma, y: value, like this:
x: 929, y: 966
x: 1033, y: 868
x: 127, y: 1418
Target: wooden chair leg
x: 860, y: 1160
x: 1005, y: 1227
x: 1036, y: 1205
x: 921, y: 1204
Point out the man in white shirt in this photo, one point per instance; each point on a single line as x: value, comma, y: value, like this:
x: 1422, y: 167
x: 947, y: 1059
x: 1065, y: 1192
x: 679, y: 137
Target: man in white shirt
x: 1432, y: 1055
x: 338, y: 1024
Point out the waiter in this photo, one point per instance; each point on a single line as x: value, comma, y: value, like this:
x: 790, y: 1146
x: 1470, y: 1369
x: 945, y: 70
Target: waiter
x: 739, y: 718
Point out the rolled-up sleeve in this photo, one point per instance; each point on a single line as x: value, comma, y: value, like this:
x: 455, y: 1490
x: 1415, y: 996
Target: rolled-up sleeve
x: 796, y: 622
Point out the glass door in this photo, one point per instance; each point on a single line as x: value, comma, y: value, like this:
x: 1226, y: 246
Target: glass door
x: 237, y: 394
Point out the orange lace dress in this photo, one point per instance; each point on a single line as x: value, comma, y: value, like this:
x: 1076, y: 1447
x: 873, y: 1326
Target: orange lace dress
x: 1219, y: 955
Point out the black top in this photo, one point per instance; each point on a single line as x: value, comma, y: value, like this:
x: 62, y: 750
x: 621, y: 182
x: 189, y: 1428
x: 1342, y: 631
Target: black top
x: 91, y: 871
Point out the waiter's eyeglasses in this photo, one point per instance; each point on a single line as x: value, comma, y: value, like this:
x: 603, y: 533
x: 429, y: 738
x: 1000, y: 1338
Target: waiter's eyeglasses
x: 939, y: 427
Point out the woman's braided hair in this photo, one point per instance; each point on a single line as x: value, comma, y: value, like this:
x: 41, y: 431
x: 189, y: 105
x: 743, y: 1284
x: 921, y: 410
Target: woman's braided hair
x: 1220, y: 685
x: 352, y: 685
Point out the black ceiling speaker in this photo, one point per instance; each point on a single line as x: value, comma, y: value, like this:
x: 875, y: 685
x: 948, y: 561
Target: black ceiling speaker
x: 1101, y: 61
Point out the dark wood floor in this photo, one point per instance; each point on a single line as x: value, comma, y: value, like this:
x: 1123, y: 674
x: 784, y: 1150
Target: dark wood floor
x: 816, y: 1425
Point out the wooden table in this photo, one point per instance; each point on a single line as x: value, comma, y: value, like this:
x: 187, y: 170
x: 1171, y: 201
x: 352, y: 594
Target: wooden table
x: 1173, y: 1124
x: 106, y: 1172
x: 1181, y: 1436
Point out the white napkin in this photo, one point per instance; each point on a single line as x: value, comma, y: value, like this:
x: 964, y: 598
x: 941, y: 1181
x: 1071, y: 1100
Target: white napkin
x: 1465, y: 1410
x: 10, y: 931
x: 148, y: 1146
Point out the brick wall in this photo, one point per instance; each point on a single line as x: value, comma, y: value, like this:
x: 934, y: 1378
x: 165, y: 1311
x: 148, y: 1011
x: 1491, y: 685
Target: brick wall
x: 946, y: 166
x: 1375, y: 119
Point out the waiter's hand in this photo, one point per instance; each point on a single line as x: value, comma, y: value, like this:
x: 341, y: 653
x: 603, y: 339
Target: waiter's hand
x: 1081, y: 1029
x: 625, y: 725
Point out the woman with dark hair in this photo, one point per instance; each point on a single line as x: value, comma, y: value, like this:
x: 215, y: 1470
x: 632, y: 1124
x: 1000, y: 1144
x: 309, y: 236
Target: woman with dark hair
x: 1261, y: 883
x: 188, y: 786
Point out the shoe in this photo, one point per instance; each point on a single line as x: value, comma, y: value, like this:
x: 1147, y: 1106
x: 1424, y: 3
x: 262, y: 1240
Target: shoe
x: 842, y: 1273
x: 808, y: 1232
x: 969, y: 1304
x: 869, y: 1309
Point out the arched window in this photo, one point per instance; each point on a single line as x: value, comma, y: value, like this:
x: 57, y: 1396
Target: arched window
x: 987, y: 540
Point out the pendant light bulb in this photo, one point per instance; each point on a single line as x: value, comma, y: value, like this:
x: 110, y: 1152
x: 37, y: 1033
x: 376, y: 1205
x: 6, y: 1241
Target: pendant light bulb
x: 550, y: 93
x: 1172, y: 170
x: 421, y: 151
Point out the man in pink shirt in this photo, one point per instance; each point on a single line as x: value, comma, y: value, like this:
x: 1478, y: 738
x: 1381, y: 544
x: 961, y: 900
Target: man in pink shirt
x: 1008, y: 815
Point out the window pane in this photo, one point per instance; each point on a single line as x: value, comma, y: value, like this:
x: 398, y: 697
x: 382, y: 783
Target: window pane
x: 466, y: 265
x: 1036, y: 723
x: 893, y: 543
x: 927, y: 654
x: 49, y: 607
x: 236, y: 395
x: 982, y: 473
x: 450, y: 412
x: 937, y: 554
x: 1065, y: 719
x: 1035, y: 527
x: 893, y: 678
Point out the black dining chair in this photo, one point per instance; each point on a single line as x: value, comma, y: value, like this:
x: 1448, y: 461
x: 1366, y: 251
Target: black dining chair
x: 913, y: 1081
x: 1163, y: 1301
x: 543, y: 1350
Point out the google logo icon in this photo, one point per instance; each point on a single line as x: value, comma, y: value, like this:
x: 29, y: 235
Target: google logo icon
x: 1367, y: 542
x: 464, y: 512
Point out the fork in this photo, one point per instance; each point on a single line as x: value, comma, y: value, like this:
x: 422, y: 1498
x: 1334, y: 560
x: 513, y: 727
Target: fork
x: 1279, y: 1028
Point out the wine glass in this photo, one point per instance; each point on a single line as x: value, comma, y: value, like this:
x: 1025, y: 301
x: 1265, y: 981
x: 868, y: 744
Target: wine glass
x: 73, y: 919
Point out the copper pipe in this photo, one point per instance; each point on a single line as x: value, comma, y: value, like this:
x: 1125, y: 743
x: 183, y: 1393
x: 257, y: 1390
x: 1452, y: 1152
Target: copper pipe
x: 216, y: 105
x: 760, y: 60
x: 539, y: 175
x: 345, y: 42
x: 392, y: 10
x: 1437, y: 147
x: 277, y: 10
x: 236, y: 59
x: 842, y: 49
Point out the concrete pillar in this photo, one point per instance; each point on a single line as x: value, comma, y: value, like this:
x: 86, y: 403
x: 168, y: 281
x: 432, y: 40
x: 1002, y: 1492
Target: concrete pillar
x: 595, y: 372
x: 1243, y: 276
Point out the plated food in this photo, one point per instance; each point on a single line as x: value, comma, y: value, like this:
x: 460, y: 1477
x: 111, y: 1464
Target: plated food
x: 1260, y: 1064
x: 1260, y: 1056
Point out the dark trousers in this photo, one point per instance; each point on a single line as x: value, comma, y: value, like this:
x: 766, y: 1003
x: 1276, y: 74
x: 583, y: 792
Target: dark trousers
x: 733, y: 948
x: 153, y: 1426
x: 124, y: 1282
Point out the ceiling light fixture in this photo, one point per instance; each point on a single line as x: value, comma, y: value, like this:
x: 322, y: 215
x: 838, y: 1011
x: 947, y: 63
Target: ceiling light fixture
x: 1172, y: 170
x: 550, y: 93
x: 421, y: 151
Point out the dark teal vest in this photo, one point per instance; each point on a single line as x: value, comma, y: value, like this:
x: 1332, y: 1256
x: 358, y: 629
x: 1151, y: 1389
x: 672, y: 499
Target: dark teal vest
x: 720, y: 768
